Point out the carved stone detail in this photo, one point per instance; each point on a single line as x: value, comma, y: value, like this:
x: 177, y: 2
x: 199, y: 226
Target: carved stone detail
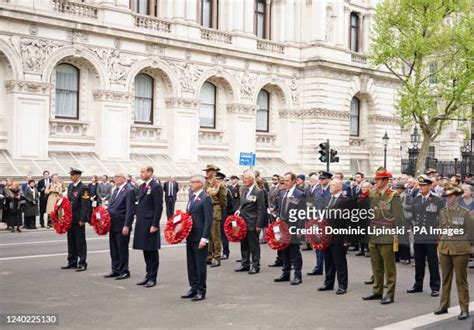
x: 183, y: 103
x: 247, y: 81
x: 145, y: 132
x: 383, y: 119
x: 357, y: 142
x: 30, y: 87
x: 210, y: 136
x: 34, y: 52
x: 188, y: 74
x: 109, y: 95
x: 117, y: 64
x: 77, y: 36
x: 246, y: 109
x: 68, y: 128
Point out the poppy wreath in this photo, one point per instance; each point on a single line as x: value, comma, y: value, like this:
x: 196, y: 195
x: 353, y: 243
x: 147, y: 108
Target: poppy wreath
x: 62, y: 222
x: 100, y: 220
x: 178, y: 227
x: 318, y: 238
x: 235, y: 228
x: 277, y: 235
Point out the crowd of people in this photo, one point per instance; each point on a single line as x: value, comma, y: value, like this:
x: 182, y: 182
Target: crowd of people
x: 427, y: 201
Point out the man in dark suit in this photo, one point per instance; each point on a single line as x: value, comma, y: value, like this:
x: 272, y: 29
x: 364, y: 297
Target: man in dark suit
x: 412, y: 189
x: 321, y: 200
x: 121, y: 206
x: 200, y: 209
x: 357, y: 185
x: 234, y: 189
x: 252, y: 209
x: 275, y: 205
x: 346, y: 189
x: 147, y: 227
x: 78, y: 195
x: 293, y: 201
x: 42, y: 185
x: 425, y: 214
x: 335, y: 260
x: 171, y: 189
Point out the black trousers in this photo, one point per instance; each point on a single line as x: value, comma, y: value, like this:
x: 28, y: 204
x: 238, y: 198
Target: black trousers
x: 423, y: 252
x: 119, y: 252
x: 197, y: 268
x: 335, y: 263
x: 169, y: 207
x: 30, y: 222
x: 225, y: 241
x: 152, y: 260
x: 250, y: 248
x: 292, y: 256
x: 43, y: 201
x: 76, y: 245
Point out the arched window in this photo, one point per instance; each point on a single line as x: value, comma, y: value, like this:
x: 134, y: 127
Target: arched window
x: 67, y: 91
x: 355, y: 116
x: 143, y: 99
x: 143, y: 7
x: 207, y: 115
x: 263, y: 111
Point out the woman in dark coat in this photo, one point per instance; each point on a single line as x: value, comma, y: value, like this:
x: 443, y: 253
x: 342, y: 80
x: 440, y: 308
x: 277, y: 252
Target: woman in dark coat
x: 261, y: 186
x: 363, y: 203
x: 15, y: 201
x: 31, y: 205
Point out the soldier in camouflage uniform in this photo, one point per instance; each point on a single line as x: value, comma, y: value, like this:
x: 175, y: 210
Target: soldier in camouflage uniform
x: 217, y: 191
x: 388, y: 214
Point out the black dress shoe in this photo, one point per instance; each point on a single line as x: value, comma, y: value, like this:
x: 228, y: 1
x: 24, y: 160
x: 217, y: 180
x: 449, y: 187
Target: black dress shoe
x: 296, y: 281
x: 314, y: 272
x: 238, y: 260
x: 307, y: 248
x: 143, y: 282
x: 325, y: 288
x: 215, y: 263
x: 69, y: 266
x: 123, y: 276
x: 225, y: 257
x: 111, y: 275
x: 209, y: 262
x: 434, y: 293
x: 150, y: 284
x: 189, y: 294
x: 242, y: 269
x: 463, y: 315
x: 282, y: 278
x: 386, y: 300
x: 372, y: 297
x: 440, y: 311
x: 254, y: 270
x: 198, y: 297
x: 276, y: 264
x: 81, y: 268
x: 341, y: 291
x: 414, y: 289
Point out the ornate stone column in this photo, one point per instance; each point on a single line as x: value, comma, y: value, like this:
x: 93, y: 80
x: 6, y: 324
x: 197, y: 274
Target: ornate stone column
x: 183, y: 121
x: 242, y: 132
x: 28, y: 118
x: 113, y: 110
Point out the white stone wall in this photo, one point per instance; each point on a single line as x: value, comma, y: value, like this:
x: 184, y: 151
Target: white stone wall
x: 306, y: 67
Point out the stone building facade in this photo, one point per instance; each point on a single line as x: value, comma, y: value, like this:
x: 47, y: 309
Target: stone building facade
x: 113, y: 84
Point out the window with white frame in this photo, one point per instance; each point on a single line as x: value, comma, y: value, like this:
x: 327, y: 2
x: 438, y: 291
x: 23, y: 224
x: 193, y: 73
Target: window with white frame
x: 143, y: 99
x: 67, y: 91
x: 207, y: 113
x: 263, y: 111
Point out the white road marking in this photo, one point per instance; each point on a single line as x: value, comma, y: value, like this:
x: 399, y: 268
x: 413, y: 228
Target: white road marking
x: 426, y: 319
x: 52, y: 241
x: 65, y: 254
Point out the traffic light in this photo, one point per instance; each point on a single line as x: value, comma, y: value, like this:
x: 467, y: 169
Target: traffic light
x: 323, y: 152
x: 334, y: 158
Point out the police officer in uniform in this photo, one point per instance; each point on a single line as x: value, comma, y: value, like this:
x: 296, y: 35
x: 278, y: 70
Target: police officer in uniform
x: 454, y: 251
x: 217, y: 191
x: 425, y: 213
x: 388, y: 213
x: 78, y: 195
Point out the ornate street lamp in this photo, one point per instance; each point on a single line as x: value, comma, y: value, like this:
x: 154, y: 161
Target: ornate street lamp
x: 385, y: 144
x: 466, y: 154
x: 413, y: 151
x: 415, y: 138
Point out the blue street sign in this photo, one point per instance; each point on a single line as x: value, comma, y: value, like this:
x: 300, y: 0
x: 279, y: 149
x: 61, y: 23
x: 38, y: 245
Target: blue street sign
x: 247, y: 159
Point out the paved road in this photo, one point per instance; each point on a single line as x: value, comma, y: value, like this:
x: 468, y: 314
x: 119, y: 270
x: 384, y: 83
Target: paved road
x: 31, y: 282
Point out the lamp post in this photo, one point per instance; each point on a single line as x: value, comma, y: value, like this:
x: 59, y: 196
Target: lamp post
x: 385, y: 144
x: 413, y: 151
x: 466, y: 154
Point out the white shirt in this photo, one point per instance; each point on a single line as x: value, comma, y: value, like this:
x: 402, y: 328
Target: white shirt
x: 196, y: 194
x: 75, y: 184
x: 148, y: 182
x: 119, y: 189
x: 289, y: 193
x: 250, y: 190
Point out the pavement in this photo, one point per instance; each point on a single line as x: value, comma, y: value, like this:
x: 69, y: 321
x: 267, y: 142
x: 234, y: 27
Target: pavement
x: 31, y: 282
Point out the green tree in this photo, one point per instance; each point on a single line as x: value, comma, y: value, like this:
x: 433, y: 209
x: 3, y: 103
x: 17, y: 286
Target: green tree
x: 428, y: 46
